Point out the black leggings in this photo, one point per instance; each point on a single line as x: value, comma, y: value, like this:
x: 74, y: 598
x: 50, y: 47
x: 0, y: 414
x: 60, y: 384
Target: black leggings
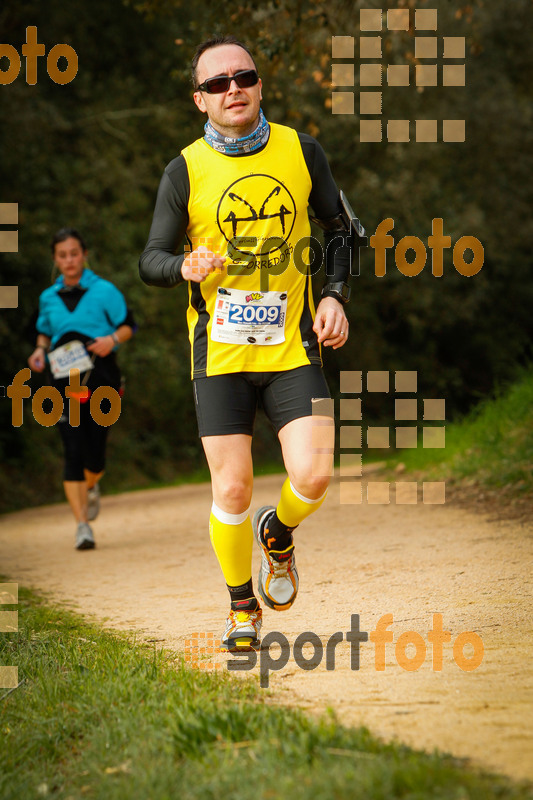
x: 84, y: 446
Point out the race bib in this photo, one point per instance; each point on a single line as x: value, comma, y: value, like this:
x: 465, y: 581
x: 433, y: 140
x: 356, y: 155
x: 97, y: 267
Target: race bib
x: 72, y: 355
x: 249, y: 317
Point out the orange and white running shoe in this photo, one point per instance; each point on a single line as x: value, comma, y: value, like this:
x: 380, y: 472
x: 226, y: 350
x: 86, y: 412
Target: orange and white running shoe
x: 242, y: 631
x: 278, y: 576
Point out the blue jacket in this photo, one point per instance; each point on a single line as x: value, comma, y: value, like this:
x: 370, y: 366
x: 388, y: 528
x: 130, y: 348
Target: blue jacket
x: 98, y: 313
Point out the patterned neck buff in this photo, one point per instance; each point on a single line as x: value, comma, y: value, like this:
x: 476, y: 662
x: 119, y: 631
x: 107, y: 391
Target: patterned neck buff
x: 244, y: 144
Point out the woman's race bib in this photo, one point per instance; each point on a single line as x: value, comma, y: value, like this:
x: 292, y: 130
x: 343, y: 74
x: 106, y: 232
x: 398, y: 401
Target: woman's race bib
x: 249, y: 317
x: 72, y: 355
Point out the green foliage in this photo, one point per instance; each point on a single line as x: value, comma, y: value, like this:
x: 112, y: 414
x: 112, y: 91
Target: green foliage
x: 99, y: 715
x: 90, y: 154
x: 492, y: 445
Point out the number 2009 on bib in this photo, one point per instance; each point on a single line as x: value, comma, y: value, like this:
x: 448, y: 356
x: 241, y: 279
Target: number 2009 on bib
x: 254, y: 314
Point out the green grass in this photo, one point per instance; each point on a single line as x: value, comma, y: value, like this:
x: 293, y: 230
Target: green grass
x: 200, y: 475
x: 100, y: 716
x: 493, y: 445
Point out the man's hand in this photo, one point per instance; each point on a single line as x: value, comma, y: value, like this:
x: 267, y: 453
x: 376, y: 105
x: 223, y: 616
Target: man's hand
x: 331, y: 325
x: 201, y: 263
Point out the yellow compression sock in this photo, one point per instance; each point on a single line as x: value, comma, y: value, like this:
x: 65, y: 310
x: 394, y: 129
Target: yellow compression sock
x: 293, y: 507
x: 232, y: 540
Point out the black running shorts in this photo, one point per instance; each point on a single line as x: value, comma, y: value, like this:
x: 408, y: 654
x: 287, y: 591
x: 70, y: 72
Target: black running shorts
x: 227, y: 403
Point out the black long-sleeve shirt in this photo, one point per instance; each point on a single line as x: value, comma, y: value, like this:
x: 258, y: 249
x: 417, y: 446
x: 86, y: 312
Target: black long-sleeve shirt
x: 160, y: 263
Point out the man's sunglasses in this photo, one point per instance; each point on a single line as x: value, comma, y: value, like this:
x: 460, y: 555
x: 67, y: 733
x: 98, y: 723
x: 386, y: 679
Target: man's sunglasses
x: 221, y: 83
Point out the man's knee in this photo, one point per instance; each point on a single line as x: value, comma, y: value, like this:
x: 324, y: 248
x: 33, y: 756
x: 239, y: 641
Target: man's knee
x: 234, y: 495
x: 310, y: 485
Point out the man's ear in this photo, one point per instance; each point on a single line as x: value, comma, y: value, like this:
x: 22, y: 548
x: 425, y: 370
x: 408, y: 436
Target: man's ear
x: 199, y: 101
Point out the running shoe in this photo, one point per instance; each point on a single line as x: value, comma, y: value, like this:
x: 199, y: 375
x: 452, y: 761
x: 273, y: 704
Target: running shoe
x: 93, y: 502
x: 242, y: 631
x: 278, y: 576
x: 84, y: 537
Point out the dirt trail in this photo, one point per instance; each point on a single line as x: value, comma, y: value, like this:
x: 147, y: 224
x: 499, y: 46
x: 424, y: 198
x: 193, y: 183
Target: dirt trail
x: 154, y: 571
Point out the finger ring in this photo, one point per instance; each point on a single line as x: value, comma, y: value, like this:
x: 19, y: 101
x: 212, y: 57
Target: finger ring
x: 342, y: 333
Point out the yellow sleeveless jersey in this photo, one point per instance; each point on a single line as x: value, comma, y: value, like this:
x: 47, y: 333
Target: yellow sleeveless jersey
x: 256, y: 314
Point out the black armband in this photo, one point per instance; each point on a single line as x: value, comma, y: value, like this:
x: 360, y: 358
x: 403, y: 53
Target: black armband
x: 343, y: 237
x: 344, y: 222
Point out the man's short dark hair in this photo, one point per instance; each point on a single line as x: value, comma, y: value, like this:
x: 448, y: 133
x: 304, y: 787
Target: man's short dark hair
x: 214, y: 41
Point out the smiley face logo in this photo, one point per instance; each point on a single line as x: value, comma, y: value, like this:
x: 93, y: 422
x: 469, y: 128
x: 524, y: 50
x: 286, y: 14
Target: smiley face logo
x: 256, y: 205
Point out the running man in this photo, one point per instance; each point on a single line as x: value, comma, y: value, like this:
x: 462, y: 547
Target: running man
x: 239, y: 198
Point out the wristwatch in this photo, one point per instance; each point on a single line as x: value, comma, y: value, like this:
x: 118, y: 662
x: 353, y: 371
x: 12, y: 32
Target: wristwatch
x: 340, y: 291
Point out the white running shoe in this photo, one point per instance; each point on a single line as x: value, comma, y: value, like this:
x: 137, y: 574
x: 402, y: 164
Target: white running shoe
x: 84, y: 537
x: 278, y: 576
x: 242, y: 631
x: 93, y: 502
